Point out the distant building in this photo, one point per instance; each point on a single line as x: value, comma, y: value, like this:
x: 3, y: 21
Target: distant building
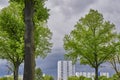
x: 91, y: 74
x: 65, y: 69
x: 105, y: 74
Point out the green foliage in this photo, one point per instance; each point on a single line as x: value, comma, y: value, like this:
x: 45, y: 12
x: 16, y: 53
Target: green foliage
x: 115, y: 77
x: 6, y: 78
x: 73, y: 78
x: 34, y: 13
x: 19, y: 1
x: 38, y: 74
x: 40, y: 11
x: 42, y: 40
x: 91, y: 41
x: 115, y: 60
x: 12, y: 35
x: 87, y: 79
x: 103, y: 78
x: 78, y: 78
x: 47, y: 77
x: 91, y: 36
x: 82, y: 78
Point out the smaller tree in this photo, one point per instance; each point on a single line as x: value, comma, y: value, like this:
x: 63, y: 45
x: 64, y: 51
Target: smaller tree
x: 38, y: 74
x: 47, y: 77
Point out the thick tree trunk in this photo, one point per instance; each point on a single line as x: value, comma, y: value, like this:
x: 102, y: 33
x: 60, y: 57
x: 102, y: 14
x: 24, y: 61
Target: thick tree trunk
x: 29, y: 61
x: 96, y: 73
x: 16, y: 72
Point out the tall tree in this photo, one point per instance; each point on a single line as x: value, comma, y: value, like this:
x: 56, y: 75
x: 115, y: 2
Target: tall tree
x: 12, y: 36
x: 33, y: 9
x: 91, y: 41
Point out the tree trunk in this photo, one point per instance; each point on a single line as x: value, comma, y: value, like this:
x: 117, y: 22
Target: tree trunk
x: 96, y: 73
x: 114, y: 65
x: 29, y: 61
x: 16, y: 72
x: 117, y: 72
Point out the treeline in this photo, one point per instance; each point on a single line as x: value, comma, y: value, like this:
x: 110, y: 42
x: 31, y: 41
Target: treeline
x: 114, y: 77
x: 38, y: 76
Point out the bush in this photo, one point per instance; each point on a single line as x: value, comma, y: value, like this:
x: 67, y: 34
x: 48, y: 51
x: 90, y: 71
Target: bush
x: 6, y: 78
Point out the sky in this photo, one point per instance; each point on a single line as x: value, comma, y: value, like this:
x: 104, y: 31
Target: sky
x: 64, y: 14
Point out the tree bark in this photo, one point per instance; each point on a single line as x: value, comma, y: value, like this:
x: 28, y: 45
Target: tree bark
x: 114, y: 65
x: 96, y: 65
x: 96, y: 73
x: 29, y: 61
x: 16, y: 72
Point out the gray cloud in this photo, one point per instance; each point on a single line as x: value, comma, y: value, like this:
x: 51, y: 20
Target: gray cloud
x: 70, y: 7
x: 3, y: 3
x: 110, y: 10
x: 65, y: 14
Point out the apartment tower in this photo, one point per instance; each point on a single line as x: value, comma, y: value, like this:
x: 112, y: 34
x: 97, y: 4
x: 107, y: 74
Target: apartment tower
x: 65, y: 69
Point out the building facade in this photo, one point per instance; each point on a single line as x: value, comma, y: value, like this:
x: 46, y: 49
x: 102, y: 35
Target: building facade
x: 91, y: 74
x: 65, y: 69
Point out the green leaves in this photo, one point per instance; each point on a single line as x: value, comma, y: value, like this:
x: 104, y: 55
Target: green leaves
x: 41, y: 12
x: 47, y: 77
x: 42, y: 39
x: 38, y: 74
x: 11, y: 21
x: 12, y: 32
x: 92, y: 38
x: 12, y: 29
x: 92, y: 41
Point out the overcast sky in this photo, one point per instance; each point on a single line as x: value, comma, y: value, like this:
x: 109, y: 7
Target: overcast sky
x: 65, y: 13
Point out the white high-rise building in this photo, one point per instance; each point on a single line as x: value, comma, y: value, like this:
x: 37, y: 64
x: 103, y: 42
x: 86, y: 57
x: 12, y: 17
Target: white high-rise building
x: 65, y: 69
